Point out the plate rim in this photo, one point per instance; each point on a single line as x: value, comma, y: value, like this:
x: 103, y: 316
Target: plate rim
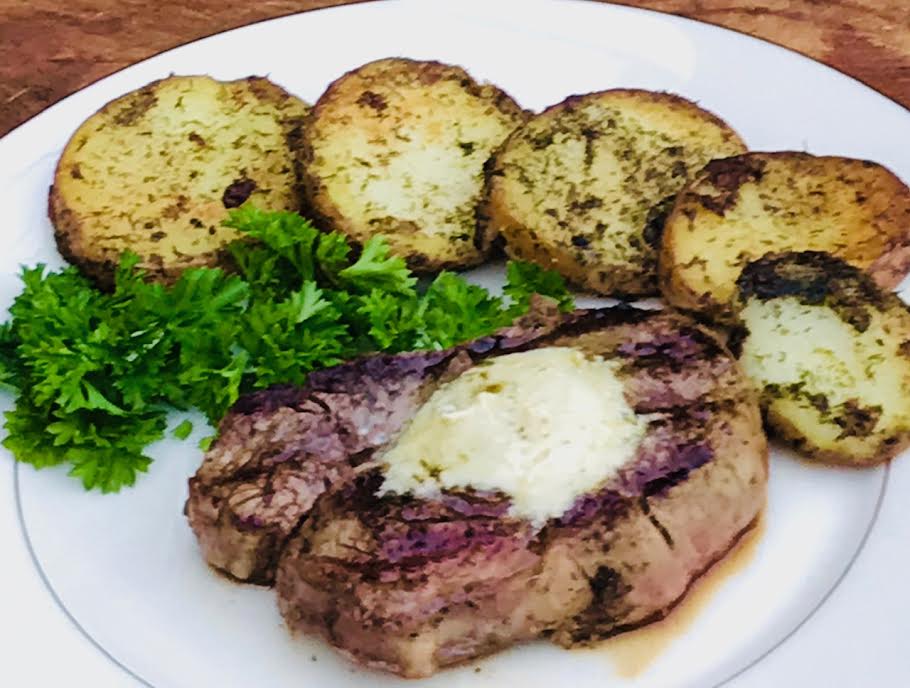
x: 146, y: 683
x: 358, y: 3
x: 32, y: 121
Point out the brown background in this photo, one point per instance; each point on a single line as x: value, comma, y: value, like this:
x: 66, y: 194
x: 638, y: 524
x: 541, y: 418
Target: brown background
x: 50, y: 48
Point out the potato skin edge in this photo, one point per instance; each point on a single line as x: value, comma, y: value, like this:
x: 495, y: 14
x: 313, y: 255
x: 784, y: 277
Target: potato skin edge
x: 498, y: 222
x: 68, y: 228
x: 888, y: 270
x: 328, y: 218
x: 824, y: 281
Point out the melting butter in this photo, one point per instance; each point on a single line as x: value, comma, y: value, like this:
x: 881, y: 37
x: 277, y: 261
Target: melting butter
x: 543, y: 427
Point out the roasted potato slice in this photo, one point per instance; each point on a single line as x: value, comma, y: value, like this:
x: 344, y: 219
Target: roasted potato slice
x: 584, y: 187
x: 397, y: 147
x: 156, y: 171
x: 830, y: 353
x: 738, y: 209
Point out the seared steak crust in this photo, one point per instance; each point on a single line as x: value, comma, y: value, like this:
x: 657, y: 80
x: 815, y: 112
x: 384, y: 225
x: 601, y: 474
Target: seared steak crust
x: 280, y: 449
x: 410, y: 585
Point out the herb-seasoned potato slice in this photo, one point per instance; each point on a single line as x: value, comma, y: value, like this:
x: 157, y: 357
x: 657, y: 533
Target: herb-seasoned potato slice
x: 156, y: 170
x: 739, y: 209
x: 830, y: 353
x: 584, y: 187
x: 397, y: 147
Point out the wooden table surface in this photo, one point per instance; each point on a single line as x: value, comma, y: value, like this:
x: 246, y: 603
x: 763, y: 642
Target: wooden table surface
x: 50, y: 48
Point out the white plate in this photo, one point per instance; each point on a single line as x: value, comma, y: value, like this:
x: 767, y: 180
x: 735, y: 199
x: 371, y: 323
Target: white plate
x: 110, y: 591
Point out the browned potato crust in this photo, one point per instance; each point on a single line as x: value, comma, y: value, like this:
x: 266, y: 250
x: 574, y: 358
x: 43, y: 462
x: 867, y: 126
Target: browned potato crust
x: 397, y: 147
x: 741, y: 208
x: 156, y: 171
x: 830, y: 353
x: 584, y: 186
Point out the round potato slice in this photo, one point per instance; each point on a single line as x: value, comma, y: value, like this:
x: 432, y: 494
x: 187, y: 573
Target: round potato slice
x: 156, y: 171
x: 829, y: 352
x: 584, y: 187
x: 397, y: 148
x: 739, y: 209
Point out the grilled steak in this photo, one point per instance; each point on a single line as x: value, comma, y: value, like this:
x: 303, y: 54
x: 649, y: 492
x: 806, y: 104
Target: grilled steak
x: 280, y: 449
x: 409, y: 584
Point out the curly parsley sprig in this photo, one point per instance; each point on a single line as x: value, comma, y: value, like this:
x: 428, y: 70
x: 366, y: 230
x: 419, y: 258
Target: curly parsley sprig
x: 96, y: 372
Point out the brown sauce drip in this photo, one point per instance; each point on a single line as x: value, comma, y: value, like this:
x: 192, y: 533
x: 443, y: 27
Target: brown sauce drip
x: 633, y: 652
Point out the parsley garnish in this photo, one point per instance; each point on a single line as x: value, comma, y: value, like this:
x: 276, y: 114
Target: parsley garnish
x: 96, y: 373
x: 184, y: 430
